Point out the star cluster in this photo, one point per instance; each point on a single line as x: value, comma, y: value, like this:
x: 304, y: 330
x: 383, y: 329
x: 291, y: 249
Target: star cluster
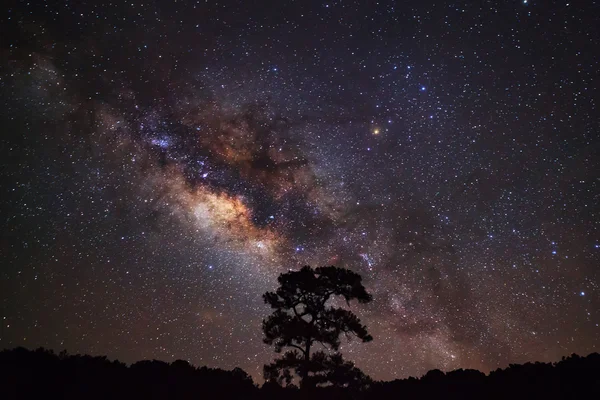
x: 164, y: 162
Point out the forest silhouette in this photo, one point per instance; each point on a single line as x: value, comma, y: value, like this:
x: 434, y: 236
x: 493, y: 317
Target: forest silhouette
x: 304, y: 315
x: 41, y: 373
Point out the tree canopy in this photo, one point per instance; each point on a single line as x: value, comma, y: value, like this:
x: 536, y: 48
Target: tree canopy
x: 302, y: 318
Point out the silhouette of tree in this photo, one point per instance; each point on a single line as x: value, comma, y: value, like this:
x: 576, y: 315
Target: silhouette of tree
x: 333, y: 369
x: 302, y: 318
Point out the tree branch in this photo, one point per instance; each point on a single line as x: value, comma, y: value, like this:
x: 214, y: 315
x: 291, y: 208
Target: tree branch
x: 297, y: 347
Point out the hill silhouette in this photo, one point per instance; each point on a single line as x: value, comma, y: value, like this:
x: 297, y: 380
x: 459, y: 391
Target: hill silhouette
x: 41, y: 373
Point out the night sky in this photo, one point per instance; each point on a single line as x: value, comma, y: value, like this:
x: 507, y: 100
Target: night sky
x: 164, y: 161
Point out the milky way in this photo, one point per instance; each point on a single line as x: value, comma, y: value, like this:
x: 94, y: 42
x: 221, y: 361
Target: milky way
x: 163, y: 163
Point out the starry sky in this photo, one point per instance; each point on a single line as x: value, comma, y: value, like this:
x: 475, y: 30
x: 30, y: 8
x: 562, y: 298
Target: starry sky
x: 164, y: 161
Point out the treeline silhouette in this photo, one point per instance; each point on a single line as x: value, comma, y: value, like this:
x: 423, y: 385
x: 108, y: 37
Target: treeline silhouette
x: 41, y: 373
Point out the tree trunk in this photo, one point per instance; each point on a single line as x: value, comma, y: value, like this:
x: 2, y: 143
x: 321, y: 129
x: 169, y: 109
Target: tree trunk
x: 304, y: 381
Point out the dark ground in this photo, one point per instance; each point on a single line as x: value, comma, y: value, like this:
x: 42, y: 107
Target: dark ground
x: 26, y: 374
